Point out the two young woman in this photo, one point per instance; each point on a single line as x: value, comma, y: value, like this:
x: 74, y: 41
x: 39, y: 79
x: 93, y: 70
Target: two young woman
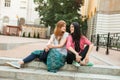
x: 76, y: 49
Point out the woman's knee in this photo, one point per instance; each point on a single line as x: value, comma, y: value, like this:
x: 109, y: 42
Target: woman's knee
x: 36, y: 52
x: 70, y: 57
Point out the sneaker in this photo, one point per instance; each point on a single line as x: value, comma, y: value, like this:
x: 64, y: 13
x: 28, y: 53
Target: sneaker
x: 14, y: 64
x: 89, y: 64
x: 75, y: 64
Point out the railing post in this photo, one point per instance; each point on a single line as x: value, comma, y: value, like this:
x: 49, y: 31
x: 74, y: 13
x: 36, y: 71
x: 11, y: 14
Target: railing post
x: 107, y: 45
x: 97, y: 43
x: 91, y: 38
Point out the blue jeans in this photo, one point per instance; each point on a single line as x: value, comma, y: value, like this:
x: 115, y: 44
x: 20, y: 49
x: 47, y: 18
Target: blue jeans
x: 30, y: 58
x: 41, y: 56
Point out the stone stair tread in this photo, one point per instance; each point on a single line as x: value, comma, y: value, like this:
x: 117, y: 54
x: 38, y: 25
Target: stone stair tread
x: 96, y: 69
x: 10, y: 72
x: 2, y: 78
x: 6, y: 79
x: 4, y: 59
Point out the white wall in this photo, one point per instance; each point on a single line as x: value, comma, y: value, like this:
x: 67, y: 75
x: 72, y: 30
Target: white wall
x: 32, y: 15
x: 27, y: 11
x: 108, y: 23
x: 11, y: 12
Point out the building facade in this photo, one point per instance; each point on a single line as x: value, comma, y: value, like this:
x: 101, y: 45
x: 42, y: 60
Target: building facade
x: 12, y: 11
x: 103, y: 16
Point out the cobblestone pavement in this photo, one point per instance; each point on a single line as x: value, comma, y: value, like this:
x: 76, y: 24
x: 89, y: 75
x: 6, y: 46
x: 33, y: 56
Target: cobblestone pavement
x: 98, y: 58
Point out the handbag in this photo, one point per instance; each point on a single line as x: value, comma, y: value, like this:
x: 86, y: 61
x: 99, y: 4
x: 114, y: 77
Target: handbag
x: 55, y: 60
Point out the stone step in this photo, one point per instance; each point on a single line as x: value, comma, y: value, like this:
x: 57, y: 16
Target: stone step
x: 6, y: 79
x: 41, y: 74
x: 35, y: 64
x: 96, y: 69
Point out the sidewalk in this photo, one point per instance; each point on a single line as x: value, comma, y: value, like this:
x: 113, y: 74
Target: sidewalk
x: 112, y: 58
x: 98, y: 58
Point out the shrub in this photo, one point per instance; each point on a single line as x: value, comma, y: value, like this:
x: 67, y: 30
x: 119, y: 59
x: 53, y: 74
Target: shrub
x: 23, y: 34
x: 34, y: 36
x: 38, y: 35
x: 29, y: 35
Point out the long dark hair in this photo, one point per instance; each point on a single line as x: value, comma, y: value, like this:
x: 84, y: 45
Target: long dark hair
x: 76, y: 35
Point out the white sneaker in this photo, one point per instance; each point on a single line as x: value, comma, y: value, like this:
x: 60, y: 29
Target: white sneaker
x: 14, y: 64
x: 75, y: 64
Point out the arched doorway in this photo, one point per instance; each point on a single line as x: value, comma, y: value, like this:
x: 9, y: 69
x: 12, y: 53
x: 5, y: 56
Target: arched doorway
x: 21, y: 21
x: 5, y: 19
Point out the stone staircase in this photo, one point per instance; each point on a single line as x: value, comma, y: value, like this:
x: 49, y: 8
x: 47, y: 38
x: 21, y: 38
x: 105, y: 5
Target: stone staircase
x: 38, y: 71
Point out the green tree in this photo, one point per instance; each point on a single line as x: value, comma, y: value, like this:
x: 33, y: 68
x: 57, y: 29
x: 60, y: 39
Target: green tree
x: 51, y: 11
x: 84, y: 26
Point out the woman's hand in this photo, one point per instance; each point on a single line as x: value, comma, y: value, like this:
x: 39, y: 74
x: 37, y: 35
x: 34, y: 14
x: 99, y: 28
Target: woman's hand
x: 50, y: 46
x: 46, y: 49
x: 78, y: 58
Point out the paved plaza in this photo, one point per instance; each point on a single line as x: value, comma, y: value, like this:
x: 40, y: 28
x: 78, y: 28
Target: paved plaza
x: 31, y: 44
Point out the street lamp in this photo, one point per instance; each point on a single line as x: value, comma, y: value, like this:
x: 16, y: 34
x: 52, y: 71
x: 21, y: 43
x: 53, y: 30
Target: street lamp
x: 17, y: 20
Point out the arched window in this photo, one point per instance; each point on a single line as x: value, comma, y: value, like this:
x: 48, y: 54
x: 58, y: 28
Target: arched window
x: 95, y: 11
x: 91, y: 14
x: 5, y: 19
x: 21, y: 21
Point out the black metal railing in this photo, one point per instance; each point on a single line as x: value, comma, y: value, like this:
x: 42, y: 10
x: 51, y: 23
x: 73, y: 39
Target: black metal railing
x: 108, y: 41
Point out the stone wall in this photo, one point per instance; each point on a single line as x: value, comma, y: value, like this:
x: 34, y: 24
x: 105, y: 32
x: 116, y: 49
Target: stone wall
x: 109, y: 6
x: 34, y: 31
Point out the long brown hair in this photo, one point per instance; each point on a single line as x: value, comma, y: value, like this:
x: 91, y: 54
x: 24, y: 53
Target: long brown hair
x: 57, y: 30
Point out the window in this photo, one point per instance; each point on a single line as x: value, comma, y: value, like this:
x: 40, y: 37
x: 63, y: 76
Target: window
x: 22, y: 7
x: 5, y: 19
x: 7, y: 3
x: 23, y: 4
x: 22, y: 1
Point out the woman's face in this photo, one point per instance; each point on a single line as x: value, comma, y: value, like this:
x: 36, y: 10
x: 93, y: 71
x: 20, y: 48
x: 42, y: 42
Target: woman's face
x: 63, y: 28
x: 71, y: 28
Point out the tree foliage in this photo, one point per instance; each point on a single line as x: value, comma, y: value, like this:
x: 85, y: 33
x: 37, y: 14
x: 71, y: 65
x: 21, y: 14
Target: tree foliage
x: 51, y: 11
x: 84, y: 26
